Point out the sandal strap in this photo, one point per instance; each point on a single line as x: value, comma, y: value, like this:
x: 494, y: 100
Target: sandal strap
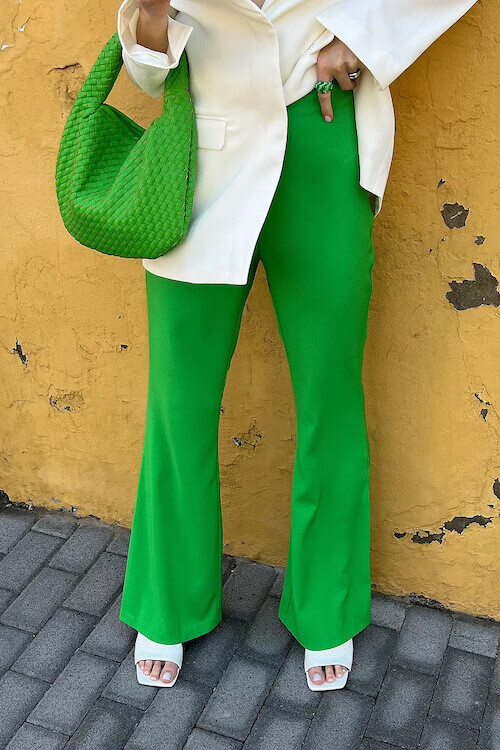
x: 341, y: 655
x: 147, y: 649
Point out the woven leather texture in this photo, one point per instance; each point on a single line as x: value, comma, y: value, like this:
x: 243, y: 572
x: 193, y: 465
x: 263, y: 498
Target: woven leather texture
x: 123, y: 189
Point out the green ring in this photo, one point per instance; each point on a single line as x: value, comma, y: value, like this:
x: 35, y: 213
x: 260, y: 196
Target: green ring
x: 323, y: 87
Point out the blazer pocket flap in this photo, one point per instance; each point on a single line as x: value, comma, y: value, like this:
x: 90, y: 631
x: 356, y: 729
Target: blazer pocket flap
x: 211, y: 131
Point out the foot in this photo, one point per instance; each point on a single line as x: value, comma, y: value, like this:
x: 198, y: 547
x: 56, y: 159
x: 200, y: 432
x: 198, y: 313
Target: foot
x: 159, y: 670
x: 319, y: 675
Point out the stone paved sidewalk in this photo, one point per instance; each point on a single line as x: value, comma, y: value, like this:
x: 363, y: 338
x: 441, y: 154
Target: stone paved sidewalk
x: 422, y: 678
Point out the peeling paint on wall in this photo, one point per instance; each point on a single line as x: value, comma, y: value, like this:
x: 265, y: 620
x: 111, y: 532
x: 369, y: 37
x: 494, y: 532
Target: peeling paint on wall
x: 481, y: 290
x: 454, y: 215
x: 457, y: 524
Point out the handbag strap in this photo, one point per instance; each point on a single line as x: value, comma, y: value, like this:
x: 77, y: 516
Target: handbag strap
x: 102, y: 77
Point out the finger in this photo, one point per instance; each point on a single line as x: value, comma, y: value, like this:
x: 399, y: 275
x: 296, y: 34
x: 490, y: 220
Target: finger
x: 325, y: 103
x: 343, y: 79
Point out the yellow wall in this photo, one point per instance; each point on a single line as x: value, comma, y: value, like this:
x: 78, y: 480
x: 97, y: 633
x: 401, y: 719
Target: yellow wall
x: 74, y: 338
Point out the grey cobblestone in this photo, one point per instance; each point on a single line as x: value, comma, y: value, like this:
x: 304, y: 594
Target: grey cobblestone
x: 423, y: 639
x: 107, y: 726
x: 462, y: 688
x: 111, y: 637
x: 245, y: 589
x: 387, y: 612
x: 290, y: 690
x: 442, y: 735
x: 201, y: 740
x: 12, y: 643
x: 373, y: 648
x: 489, y: 737
x: 495, y: 680
x: 120, y: 542
x: 244, y: 684
x: 39, y: 600
x: 66, y: 703
x: 19, y: 695
x: 57, y: 524
x: 340, y: 721
x: 99, y: 586
x: 6, y: 597
x: 267, y: 638
x: 82, y: 548
x: 14, y: 524
x: 32, y: 737
x: 369, y: 744
x: 25, y: 560
x: 277, y: 587
x: 401, y: 709
x: 275, y: 730
x: 50, y: 651
x: 474, y: 635
x: 228, y: 563
x: 124, y: 688
x: 206, y: 658
x: 170, y: 718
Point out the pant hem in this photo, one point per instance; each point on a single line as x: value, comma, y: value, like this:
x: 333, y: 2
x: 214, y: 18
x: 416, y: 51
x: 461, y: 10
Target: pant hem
x: 319, y: 645
x: 201, y: 628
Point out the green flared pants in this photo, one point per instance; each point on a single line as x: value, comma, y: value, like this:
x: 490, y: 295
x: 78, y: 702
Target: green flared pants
x: 316, y: 249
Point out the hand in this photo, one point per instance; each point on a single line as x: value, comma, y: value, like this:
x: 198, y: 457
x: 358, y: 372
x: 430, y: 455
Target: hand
x: 153, y: 24
x: 336, y: 61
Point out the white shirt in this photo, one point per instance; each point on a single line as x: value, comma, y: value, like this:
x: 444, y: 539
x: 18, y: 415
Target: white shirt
x: 246, y: 65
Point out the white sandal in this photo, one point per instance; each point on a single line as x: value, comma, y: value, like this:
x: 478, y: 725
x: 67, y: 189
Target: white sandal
x: 341, y: 655
x: 146, y: 649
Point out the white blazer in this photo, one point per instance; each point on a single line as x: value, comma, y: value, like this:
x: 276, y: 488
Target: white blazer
x: 246, y: 65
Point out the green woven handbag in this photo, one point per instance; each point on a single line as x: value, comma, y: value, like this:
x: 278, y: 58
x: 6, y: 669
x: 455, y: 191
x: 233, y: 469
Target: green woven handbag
x: 122, y: 189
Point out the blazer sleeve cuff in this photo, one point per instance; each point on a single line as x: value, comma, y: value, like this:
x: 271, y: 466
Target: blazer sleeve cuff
x: 360, y: 40
x: 146, y: 67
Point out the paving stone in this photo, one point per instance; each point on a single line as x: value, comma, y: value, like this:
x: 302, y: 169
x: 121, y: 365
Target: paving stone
x: 120, y: 543
x: 373, y: 648
x: 66, y: 703
x: 423, y: 639
x: 201, y: 740
x: 290, y: 690
x: 107, y: 726
x: 57, y: 524
x: 206, y: 658
x: 244, y: 685
x: 495, y: 680
x: 369, y: 744
x: 275, y: 730
x: 476, y: 636
x: 401, y: 709
x: 12, y: 643
x: 387, y: 612
x: 25, y: 560
x: 228, y: 564
x: 170, y: 718
x: 277, y: 587
x: 245, y: 589
x: 14, y: 524
x: 124, y: 688
x: 39, y: 600
x: 489, y: 737
x: 340, y: 721
x: 82, y: 548
x: 50, y: 651
x: 99, y: 586
x: 462, y: 688
x: 267, y: 638
x: 6, y: 597
x: 111, y: 637
x: 31, y: 736
x: 22, y: 693
x: 441, y: 735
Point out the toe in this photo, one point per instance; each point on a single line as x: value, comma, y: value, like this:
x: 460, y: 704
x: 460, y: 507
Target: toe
x: 316, y: 675
x: 339, y: 670
x: 155, y: 672
x: 147, y: 666
x: 330, y: 674
x: 169, y: 671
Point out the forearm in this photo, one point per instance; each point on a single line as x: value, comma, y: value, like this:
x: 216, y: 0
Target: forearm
x: 152, y: 29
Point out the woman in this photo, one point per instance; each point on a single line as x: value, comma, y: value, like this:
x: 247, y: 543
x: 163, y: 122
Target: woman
x: 295, y: 136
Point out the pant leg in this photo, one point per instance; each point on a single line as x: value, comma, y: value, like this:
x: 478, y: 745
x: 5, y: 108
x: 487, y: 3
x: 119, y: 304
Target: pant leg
x: 173, y: 581
x: 316, y: 247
